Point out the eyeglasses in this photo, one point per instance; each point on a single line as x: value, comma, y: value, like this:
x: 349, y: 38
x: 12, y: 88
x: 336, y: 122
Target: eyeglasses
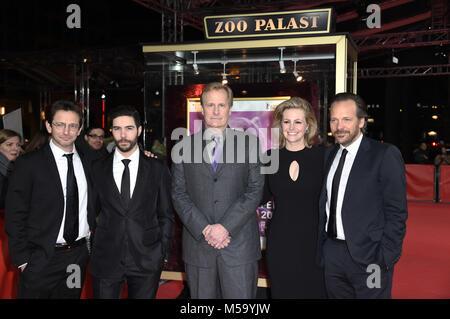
x: 62, y: 126
x: 100, y: 137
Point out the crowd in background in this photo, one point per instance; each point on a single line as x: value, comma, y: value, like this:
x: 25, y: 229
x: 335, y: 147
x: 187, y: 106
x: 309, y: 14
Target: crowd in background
x: 423, y: 155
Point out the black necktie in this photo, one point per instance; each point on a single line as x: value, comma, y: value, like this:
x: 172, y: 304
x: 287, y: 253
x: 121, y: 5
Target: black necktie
x: 332, y: 229
x: 125, y: 187
x: 71, y: 221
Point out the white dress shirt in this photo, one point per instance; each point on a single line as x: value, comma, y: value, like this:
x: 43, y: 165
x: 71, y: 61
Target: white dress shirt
x: 119, y: 167
x: 349, y: 159
x: 61, y: 163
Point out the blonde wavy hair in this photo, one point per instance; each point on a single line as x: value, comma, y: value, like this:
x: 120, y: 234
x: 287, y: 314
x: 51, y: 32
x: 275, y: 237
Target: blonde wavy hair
x: 296, y: 103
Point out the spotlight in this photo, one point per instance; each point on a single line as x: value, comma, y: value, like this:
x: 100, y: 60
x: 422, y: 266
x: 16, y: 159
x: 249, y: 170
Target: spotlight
x: 298, y: 77
x: 282, y: 66
x: 224, y: 80
x: 394, y: 58
x: 195, y: 65
x: 103, y: 96
x: 224, y: 75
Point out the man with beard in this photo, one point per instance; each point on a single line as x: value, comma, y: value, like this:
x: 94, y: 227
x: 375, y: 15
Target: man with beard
x: 135, y: 221
x: 362, y: 207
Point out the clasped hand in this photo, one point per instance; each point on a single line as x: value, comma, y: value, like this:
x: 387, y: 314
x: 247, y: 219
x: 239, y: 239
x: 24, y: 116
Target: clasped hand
x: 217, y: 236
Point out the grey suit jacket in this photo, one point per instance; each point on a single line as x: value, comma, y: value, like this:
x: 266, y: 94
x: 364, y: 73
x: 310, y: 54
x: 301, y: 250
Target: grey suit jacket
x: 228, y: 197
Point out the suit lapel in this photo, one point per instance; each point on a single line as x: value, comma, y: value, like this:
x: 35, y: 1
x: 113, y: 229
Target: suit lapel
x: 53, y: 172
x: 229, y: 136
x: 110, y: 182
x: 83, y: 161
x: 330, y: 158
x: 221, y: 163
x: 206, y: 165
x: 355, y: 171
x: 329, y: 161
x: 144, y: 174
x: 87, y: 173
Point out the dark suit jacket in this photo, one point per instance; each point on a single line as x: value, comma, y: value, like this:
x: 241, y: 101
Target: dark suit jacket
x: 148, y: 222
x: 228, y: 197
x: 35, y: 208
x: 374, y: 209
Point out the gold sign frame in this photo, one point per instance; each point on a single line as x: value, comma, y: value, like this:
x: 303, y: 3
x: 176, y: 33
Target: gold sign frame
x: 299, y: 22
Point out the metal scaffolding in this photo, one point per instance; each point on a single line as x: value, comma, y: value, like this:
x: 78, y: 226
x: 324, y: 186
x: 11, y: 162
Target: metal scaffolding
x: 405, y: 71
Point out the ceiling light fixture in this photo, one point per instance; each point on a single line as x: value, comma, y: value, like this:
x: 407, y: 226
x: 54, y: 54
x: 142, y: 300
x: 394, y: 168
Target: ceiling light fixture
x: 224, y: 75
x: 297, y: 76
x: 195, y: 65
x: 282, y: 66
x: 394, y: 57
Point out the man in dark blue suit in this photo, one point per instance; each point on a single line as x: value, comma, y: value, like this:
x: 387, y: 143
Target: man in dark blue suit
x: 363, y: 207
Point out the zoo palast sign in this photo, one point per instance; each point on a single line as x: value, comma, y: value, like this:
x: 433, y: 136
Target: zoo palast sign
x: 268, y: 24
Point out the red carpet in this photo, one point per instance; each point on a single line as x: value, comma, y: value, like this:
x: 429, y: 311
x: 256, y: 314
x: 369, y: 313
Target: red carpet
x: 424, y: 268
x: 422, y: 272
x: 170, y: 290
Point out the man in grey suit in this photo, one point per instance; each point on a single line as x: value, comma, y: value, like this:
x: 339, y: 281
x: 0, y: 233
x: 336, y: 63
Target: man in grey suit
x: 216, y: 188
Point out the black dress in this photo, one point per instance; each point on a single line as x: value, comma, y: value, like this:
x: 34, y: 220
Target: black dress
x: 293, y: 230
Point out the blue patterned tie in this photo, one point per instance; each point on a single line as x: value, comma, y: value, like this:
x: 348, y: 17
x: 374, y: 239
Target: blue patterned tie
x: 216, y: 153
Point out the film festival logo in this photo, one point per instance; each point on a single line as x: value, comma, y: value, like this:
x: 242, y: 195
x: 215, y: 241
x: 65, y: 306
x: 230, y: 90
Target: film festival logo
x: 190, y: 150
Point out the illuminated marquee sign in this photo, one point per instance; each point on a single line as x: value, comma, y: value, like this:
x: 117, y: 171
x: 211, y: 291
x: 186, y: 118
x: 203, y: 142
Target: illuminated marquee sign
x: 268, y: 24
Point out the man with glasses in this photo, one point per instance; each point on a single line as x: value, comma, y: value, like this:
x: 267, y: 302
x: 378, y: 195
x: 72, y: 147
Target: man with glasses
x: 92, y: 143
x: 48, y: 221
x: 94, y: 137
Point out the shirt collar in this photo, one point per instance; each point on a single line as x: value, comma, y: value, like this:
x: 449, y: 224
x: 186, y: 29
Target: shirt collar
x: 353, y: 148
x: 58, y: 153
x: 223, y: 135
x: 118, y: 157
